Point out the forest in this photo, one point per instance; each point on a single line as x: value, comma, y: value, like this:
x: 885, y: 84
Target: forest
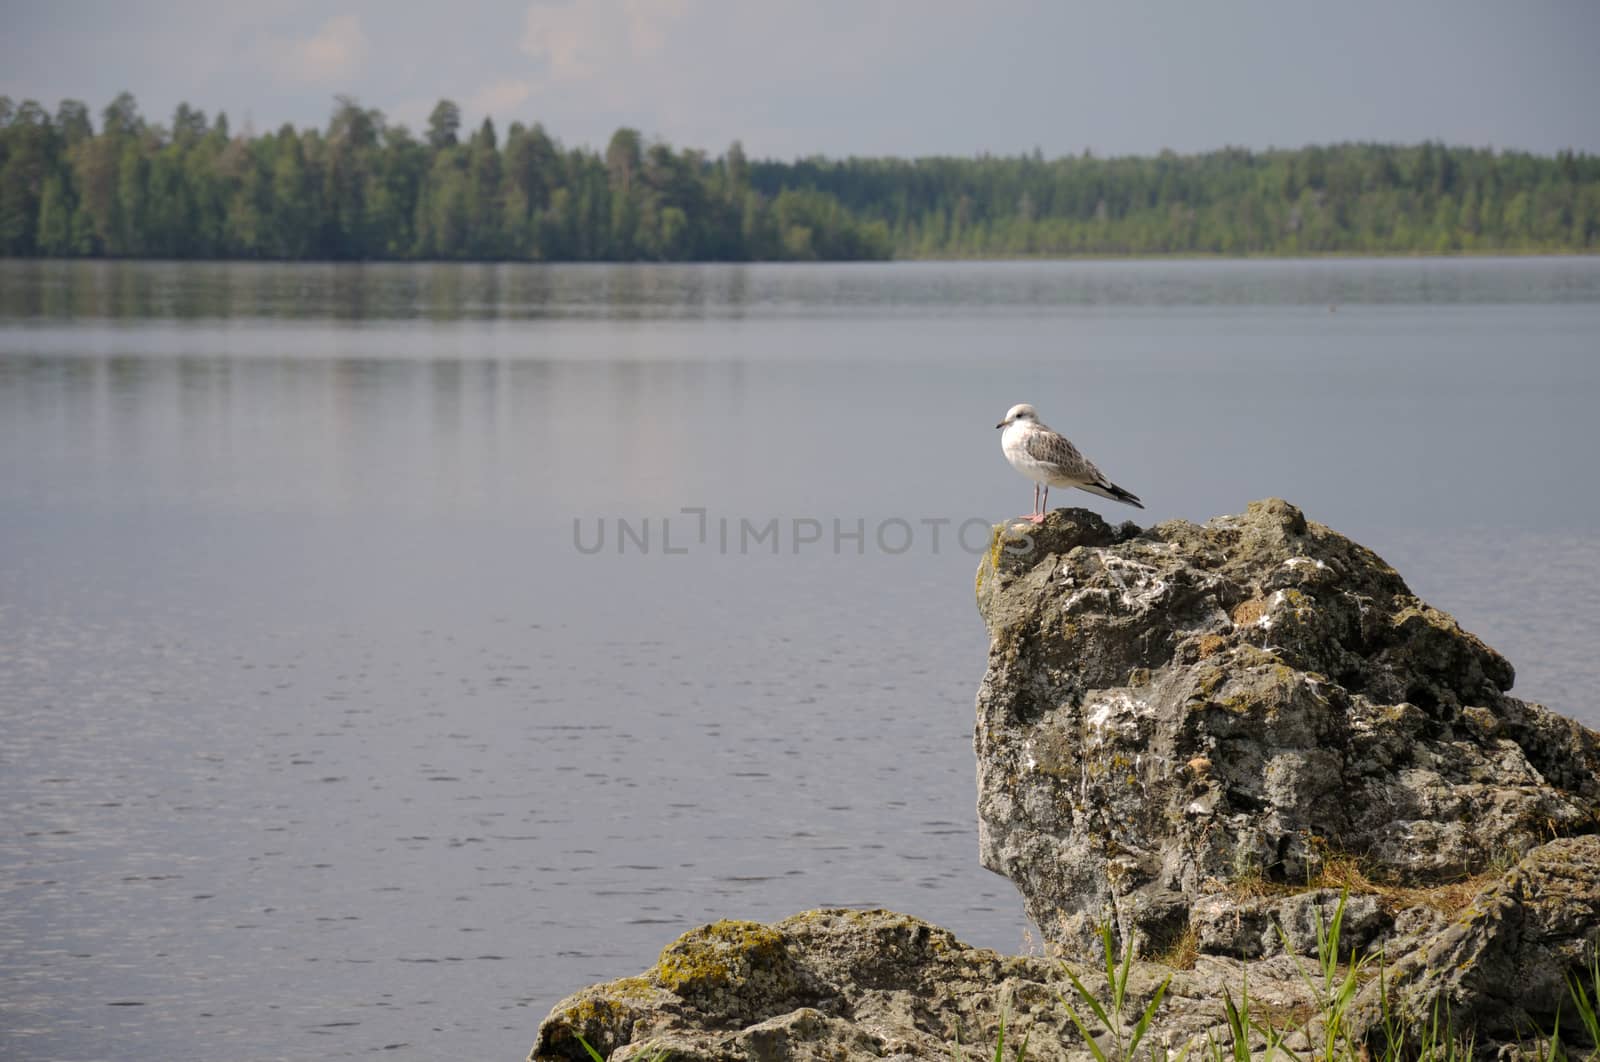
x: 366, y: 188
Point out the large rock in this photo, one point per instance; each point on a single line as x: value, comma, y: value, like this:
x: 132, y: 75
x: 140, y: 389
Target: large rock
x: 860, y: 986
x: 1169, y: 712
x: 852, y: 986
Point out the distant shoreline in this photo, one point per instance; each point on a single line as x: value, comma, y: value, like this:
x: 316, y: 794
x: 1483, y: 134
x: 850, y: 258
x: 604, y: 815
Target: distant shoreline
x: 365, y: 189
x: 1191, y: 256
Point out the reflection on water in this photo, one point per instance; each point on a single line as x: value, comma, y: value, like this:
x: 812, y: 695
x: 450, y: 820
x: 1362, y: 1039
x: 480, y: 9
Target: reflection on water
x: 192, y: 291
x: 322, y: 737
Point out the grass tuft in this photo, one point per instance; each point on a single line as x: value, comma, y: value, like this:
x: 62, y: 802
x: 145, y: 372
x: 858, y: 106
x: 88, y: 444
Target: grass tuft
x: 1182, y: 952
x: 1341, y: 870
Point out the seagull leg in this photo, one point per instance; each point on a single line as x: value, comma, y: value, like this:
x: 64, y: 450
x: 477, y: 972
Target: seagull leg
x: 1044, y: 506
x: 1037, y: 516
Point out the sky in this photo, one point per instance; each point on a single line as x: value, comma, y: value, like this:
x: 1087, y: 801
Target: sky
x: 850, y: 77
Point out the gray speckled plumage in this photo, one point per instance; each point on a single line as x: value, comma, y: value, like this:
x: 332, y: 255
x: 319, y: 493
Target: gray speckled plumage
x: 1057, y: 453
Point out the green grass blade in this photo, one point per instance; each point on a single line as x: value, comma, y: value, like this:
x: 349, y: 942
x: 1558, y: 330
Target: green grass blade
x: 1088, y: 997
x: 1144, y: 1021
x: 1339, y: 1007
x: 1328, y: 942
x: 1094, y: 1048
x: 1109, y: 947
x: 1585, y: 1003
x: 587, y: 1046
x: 1122, y: 975
x: 1238, y: 1027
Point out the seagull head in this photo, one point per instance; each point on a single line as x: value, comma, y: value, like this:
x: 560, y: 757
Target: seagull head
x: 1022, y: 411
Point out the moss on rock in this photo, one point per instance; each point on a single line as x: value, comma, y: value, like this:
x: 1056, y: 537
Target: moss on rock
x: 714, y: 956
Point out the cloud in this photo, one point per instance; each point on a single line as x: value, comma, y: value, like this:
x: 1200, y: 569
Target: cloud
x: 334, y: 52
x: 580, y: 40
x: 500, y: 98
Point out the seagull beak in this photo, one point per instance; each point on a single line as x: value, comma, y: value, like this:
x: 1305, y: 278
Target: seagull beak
x: 1001, y: 424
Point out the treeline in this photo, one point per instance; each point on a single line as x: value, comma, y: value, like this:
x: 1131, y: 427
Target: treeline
x: 1345, y: 199
x: 365, y: 188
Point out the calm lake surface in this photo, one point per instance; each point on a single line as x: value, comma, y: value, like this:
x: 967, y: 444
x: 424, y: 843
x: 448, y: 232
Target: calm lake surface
x: 332, y: 725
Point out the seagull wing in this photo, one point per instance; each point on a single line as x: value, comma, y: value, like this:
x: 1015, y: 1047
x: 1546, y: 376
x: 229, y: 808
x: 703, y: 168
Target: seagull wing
x: 1048, y: 448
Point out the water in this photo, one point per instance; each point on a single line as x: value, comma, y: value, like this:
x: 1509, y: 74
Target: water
x: 323, y: 736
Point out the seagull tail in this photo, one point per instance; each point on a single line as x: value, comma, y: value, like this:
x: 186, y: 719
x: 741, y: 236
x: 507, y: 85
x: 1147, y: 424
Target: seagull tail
x: 1107, y: 489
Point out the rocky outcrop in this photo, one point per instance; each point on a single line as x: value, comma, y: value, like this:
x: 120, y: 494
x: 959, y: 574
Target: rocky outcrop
x: 860, y: 986
x: 1169, y: 712
x: 1212, y: 738
x: 1499, y: 968
x: 845, y: 985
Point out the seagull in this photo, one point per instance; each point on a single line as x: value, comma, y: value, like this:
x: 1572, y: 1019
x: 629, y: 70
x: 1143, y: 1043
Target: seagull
x: 1051, y: 461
